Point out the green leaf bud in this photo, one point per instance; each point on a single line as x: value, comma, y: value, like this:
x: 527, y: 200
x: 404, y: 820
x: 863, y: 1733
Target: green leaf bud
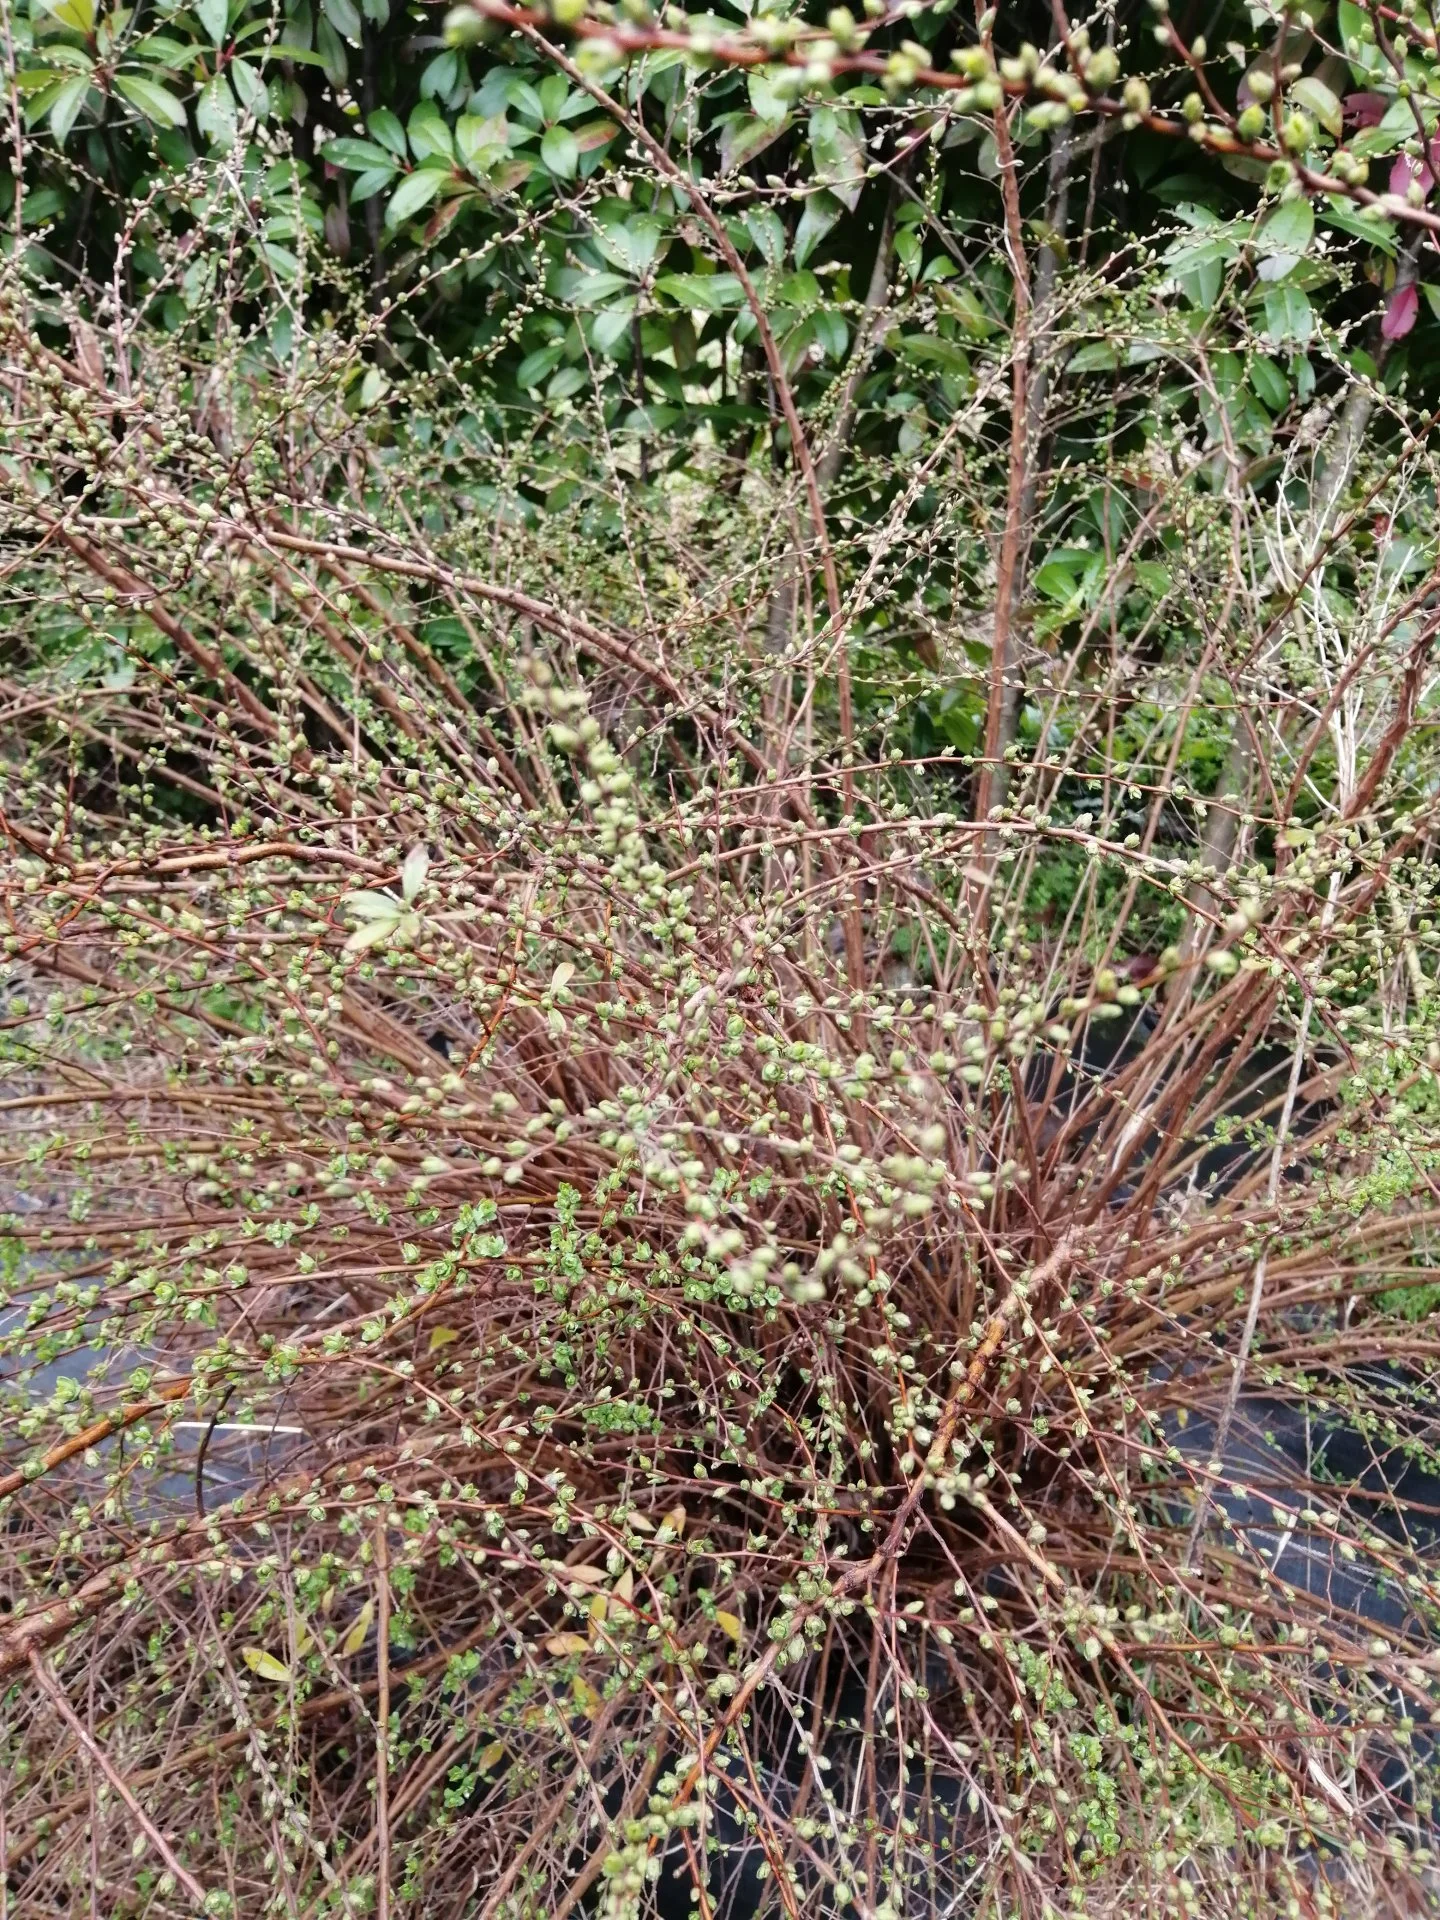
x: 1298, y: 134
x: 1136, y: 95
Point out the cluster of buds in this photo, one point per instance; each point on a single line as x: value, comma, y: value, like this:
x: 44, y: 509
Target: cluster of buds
x: 845, y: 30
x: 772, y: 31
x: 1136, y: 96
x: 1099, y: 66
x: 1063, y: 92
x: 984, y: 93
x: 607, y: 783
x: 1100, y: 69
x: 904, y: 67
x: 1297, y: 136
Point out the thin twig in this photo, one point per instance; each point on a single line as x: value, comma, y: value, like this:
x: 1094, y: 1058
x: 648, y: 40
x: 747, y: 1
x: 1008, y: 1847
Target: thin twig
x: 59, y: 1700
x: 1252, y: 1311
x: 382, y: 1715
x: 204, y: 1448
x: 991, y: 784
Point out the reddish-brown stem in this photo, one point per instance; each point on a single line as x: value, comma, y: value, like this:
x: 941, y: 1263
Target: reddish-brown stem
x: 991, y: 784
x: 799, y: 444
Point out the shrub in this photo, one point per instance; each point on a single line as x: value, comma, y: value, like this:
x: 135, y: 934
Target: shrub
x: 606, y: 1108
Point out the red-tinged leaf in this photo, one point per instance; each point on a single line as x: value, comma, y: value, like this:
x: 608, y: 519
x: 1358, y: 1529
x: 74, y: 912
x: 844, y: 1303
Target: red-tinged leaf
x: 1406, y: 171
x: 1366, y: 109
x: 594, y: 133
x: 442, y: 218
x: 1402, y: 310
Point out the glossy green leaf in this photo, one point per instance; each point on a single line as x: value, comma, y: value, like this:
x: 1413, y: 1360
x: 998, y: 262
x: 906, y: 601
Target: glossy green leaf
x: 1397, y: 126
x: 769, y: 98
x: 1214, y: 242
x: 535, y: 366
x: 820, y: 213
x: 588, y: 287
x: 344, y: 16
x: 215, y: 113
x: 153, y: 100
x: 1288, y: 316
x: 382, y: 125
x: 767, y: 230
x: 631, y: 245
x: 831, y: 331
x: 442, y: 75
x: 1365, y: 224
x: 800, y: 290
x: 355, y: 154
x: 334, y: 55
x: 1402, y: 556
x: 481, y: 142
x: 1099, y: 356
x: 743, y: 136
x: 58, y: 56
x: 931, y: 349
x: 1318, y: 100
x: 560, y: 153
x: 250, y: 89
x: 1289, y: 229
x: 1055, y: 580
x: 1351, y: 19
x: 968, y: 308
x: 1269, y: 383
x: 374, y: 181
x: 502, y: 87
x: 1201, y: 283
x: 837, y: 146
x: 66, y: 103
x: 415, y: 191
x: 553, y: 90
x: 610, y: 328
x: 300, y: 22
x: 715, y: 292
x: 160, y: 50
x: 1367, y: 62
x: 78, y: 15
x: 214, y: 17
x: 1284, y: 237
x: 429, y: 135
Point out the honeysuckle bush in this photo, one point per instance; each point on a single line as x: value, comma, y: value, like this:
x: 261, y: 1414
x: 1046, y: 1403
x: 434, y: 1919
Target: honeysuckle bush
x: 540, y: 1237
